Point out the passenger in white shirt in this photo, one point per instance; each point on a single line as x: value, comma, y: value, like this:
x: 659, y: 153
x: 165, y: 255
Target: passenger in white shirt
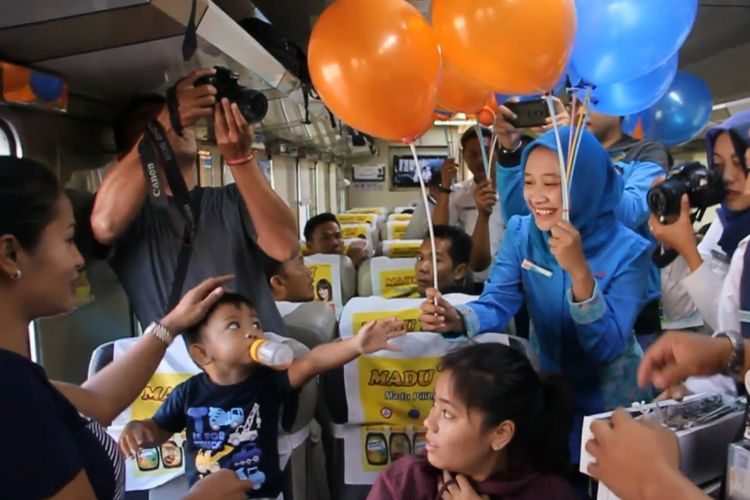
x: 418, y: 227
x: 713, y: 268
x: 472, y: 204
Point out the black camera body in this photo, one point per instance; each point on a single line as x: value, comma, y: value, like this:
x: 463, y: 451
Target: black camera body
x: 252, y: 104
x: 704, y: 187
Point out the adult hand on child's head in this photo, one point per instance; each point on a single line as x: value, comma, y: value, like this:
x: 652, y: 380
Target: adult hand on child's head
x: 222, y: 484
x: 440, y: 318
x: 375, y: 335
x: 195, y: 304
x: 630, y: 456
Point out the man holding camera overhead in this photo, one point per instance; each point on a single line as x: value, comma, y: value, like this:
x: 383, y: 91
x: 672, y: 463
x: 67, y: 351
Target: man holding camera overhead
x: 165, y: 233
x: 640, y: 163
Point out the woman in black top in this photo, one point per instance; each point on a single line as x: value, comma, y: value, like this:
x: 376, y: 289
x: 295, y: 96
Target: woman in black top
x: 53, y: 445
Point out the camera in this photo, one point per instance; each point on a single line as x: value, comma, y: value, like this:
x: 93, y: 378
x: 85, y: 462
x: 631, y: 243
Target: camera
x: 252, y: 104
x: 703, y: 186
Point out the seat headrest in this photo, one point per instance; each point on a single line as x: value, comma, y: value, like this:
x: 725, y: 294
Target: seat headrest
x: 334, y: 278
x: 393, y: 278
x: 401, y: 248
x: 396, y: 229
x: 312, y: 323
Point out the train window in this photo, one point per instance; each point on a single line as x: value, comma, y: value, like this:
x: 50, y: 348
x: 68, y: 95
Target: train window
x: 9, y: 143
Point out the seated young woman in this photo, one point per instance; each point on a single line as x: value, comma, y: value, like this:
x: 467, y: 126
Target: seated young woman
x: 583, y: 281
x: 496, y: 431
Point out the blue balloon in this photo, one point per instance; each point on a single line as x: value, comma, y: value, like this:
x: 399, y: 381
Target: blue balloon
x: 625, y: 98
x: 681, y: 113
x: 574, y: 76
x: 46, y: 87
x: 620, y: 40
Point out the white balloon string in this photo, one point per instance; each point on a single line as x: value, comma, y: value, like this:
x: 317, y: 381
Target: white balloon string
x: 480, y: 138
x: 431, y: 230
x: 563, y: 173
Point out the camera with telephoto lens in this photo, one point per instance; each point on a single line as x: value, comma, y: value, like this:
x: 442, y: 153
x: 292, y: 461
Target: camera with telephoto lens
x: 704, y: 187
x: 252, y: 104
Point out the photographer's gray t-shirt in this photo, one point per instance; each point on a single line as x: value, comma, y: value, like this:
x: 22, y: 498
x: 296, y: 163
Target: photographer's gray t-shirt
x: 145, y: 257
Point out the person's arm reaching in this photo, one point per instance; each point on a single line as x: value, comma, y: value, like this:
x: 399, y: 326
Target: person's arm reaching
x: 677, y: 356
x: 123, y: 192
x: 603, y: 318
x: 501, y: 299
x: 372, y: 337
x: 106, y: 394
x: 485, y: 199
x: 273, y: 220
x: 441, y: 212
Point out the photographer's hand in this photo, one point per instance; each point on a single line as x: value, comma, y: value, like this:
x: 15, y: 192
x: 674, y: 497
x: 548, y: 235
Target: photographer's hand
x: 234, y: 135
x: 678, y: 236
x: 194, y: 103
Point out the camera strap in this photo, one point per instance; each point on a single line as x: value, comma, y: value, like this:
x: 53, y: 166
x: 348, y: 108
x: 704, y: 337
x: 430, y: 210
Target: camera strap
x: 173, y: 106
x: 190, y: 41
x: 154, y: 150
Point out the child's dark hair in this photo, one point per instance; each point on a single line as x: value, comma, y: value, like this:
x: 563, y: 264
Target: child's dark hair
x: 193, y: 334
x: 499, y: 381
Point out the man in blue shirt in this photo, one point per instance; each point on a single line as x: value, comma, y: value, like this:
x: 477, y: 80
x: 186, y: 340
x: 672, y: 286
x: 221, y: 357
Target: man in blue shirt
x: 640, y: 162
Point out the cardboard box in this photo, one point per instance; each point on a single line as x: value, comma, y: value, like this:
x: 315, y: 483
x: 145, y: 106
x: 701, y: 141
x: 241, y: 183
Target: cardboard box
x: 702, y: 448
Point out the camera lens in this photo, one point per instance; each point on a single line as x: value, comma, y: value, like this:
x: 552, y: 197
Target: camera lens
x: 657, y: 202
x: 252, y: 104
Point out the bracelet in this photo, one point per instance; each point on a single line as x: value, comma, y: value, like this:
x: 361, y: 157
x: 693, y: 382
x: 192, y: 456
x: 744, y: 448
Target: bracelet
x: 737, y: 360
x: 515, y: 148
x: 234, y: 162
x: 160, y: 332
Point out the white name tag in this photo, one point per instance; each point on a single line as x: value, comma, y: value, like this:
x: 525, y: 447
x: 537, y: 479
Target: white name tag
x: 530, y: 266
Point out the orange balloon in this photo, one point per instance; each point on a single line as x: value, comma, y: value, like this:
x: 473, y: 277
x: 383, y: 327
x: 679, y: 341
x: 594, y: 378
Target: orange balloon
x: 376, y: 65
x: 460, y: 93
x: 486, y: 116
x: 514, y: 47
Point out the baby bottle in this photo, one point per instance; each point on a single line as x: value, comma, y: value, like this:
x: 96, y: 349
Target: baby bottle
x: 271, y: 353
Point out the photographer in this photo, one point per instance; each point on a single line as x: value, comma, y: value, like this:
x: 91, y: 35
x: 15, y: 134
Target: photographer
x: 639, y: 163
x: 234, y: 223
x: 707, y: 279
x: 472, y: 204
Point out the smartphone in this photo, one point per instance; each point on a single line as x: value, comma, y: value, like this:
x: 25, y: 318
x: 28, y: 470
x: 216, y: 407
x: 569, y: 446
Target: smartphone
x: 529, y: 113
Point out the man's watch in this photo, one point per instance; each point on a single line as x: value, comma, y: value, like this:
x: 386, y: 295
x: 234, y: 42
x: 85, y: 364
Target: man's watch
x: 737, y: 360
x: 445, y: 190
x: 160, y: 332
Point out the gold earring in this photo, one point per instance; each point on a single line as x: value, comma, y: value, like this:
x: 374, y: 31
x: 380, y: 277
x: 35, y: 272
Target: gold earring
x: 16, y: 275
